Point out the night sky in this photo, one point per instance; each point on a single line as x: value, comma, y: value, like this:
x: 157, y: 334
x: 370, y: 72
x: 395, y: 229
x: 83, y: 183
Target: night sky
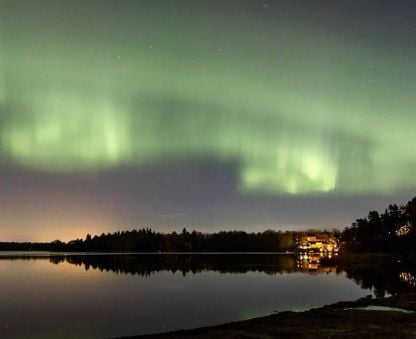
x: 203, y: 114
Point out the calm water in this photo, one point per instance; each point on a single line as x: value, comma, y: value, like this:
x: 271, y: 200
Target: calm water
x: 95, y: 296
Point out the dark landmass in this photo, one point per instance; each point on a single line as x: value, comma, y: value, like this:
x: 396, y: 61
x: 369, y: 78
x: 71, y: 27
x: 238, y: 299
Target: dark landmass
x: 147, y: 240
x: 340, y: 320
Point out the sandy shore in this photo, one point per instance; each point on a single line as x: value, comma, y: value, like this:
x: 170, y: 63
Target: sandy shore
x: 340, y: 320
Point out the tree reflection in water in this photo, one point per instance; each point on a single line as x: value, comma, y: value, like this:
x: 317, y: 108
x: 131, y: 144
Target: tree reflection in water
x: 382, y: 274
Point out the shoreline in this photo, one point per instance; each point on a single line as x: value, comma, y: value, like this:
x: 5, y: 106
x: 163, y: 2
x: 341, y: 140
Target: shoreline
x: 392, y: 317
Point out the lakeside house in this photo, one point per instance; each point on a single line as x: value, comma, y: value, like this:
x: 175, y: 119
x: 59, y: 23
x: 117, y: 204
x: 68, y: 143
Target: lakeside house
x: 312, y: 247
x: 317, y: 242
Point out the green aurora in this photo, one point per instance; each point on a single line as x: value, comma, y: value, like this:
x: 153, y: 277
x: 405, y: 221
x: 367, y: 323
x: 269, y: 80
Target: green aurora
x: 300, y: 108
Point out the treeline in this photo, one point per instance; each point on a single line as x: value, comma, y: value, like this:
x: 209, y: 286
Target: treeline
x: 391, y: 231
x: 147, y: 240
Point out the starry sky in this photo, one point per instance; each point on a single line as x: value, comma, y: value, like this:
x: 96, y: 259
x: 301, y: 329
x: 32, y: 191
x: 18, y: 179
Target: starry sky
x: 205, y: 114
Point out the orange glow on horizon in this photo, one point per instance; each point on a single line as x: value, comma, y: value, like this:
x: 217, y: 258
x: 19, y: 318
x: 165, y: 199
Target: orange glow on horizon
x: 54, y: 231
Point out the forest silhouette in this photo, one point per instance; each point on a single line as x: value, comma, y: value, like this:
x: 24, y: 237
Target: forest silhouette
x: 393, y: 231
x: 147, y: 240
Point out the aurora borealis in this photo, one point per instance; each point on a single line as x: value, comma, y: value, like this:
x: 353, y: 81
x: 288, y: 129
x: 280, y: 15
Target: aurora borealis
x: 211, y: 114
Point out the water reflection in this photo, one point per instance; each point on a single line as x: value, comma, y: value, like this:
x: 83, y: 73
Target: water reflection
x: 408, y: 278
x: 382, y: 274
x: 112, y: 295
x: 146, y: 265
x: 316, y: 262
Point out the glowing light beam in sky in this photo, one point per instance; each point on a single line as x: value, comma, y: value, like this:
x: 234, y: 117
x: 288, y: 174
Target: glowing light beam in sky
x: 300, y: 111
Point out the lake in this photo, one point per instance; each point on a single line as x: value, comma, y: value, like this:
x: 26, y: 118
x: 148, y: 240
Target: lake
x: 45, y: 295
